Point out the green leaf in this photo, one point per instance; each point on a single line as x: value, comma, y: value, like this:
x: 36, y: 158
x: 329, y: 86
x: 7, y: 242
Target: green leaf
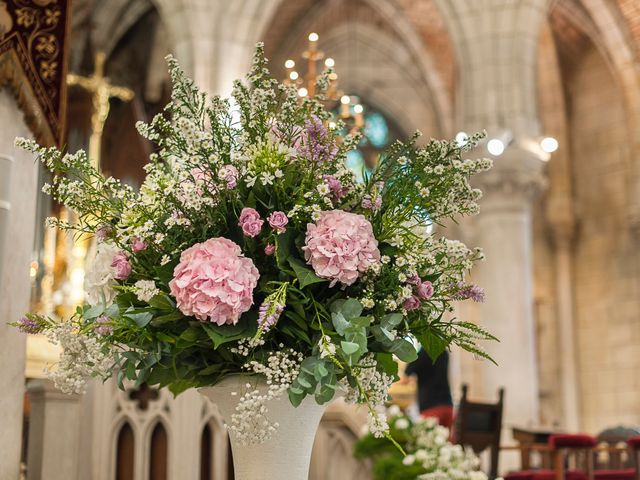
x: 180, y: 386
x: 112, y: 310
x: 191, y: 334
x: 221, y: 334
x: 296, y: 398
x: 170, y: 317
x: 284, y: 249
x: 305, y: 275
x: 349, y: 308
x: 349, y: 347
x: 382, y: 335
x: 93, y: 312
x: 339, y: 322
x: 391, y: 320
x: 163, y: 337
x: 162, y: 302
x: 216, y: 367
x: 141, y: 319
x: 433, y: 344
x: 387, y: 363
x: 161, y: 376
x: 404, y: 350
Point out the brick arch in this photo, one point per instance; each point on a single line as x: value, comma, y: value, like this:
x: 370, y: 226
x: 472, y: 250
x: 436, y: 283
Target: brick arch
x: 613, y: 28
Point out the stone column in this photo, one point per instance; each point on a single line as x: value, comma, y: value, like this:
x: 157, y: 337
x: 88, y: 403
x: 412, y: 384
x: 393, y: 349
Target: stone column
x: 563, y: 232
x: 54, y: 433
x: 503, y: 230
x: 16, y: 232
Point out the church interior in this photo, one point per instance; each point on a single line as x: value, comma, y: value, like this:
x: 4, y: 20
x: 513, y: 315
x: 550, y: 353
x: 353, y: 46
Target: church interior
x: 554, y: 83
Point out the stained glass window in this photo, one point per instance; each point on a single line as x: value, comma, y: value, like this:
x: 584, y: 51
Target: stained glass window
x: 378, y: 133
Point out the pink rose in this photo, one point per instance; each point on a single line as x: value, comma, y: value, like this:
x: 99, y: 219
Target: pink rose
x: 214, y: 281
x: 411, y: 303
x: 121, y: 266
x: 269, y: 249
x: 248, y: 214
x: 424, y: 290
x: 250, y: 221
x: 138, y: 245
x: 277, y: 221
x: 252, y: 229
x: 340, y: 246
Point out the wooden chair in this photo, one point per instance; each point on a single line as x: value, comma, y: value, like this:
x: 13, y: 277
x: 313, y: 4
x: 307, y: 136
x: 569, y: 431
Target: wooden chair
x: 573, y: 459
x: 478, y: 425
x: 613, y: 454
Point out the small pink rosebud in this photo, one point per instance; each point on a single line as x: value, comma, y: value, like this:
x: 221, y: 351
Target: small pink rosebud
x: 103, y: 231
x: 269, y: 249
x: 411, y: 303
x: 425, y: 290
x: 121, y: 265
x: 138, y: 245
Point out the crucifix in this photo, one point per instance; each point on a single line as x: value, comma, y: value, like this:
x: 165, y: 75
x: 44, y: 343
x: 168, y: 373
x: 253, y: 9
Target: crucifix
x: 101, y: 91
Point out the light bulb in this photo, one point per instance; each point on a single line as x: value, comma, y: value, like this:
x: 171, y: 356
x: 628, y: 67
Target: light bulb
x: 495, y: 147
x: 358, y: 108
x: 313, y: 37
x: 302, y: 92
x: 293, y: 75
x: 549, y: 144
x: 461, y: 138
x: 289, y: 63
x: 329, y: 62
x: 345, y: 99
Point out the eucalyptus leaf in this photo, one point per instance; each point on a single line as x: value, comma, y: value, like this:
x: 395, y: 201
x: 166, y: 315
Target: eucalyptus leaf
x: 339, y: 322
x: 141, y: 319
x: 404, y: 350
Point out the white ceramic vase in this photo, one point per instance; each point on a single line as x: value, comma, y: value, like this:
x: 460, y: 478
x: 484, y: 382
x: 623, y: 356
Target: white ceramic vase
x: 287, y: 454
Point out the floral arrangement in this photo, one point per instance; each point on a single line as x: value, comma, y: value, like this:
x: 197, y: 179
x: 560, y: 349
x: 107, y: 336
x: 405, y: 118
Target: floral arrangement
x: 429, y: 454
x: 251, y: 249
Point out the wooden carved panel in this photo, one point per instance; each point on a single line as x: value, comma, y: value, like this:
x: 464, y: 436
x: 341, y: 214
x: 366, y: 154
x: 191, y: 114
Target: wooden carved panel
x: 33, y: 59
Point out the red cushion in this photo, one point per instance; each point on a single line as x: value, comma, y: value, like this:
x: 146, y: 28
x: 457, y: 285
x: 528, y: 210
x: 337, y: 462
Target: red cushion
x: 551, y: 475
x: 570, y: 440
x: 634, y: 442
x: 523, y: 475
x: 627, y: 474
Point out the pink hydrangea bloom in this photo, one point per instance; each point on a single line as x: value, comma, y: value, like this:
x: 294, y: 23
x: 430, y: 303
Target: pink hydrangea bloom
x: 278, y: 220
x: 121, y: 266
x: 340, y: 246
x: 250, y: 222
x: 214, y: 282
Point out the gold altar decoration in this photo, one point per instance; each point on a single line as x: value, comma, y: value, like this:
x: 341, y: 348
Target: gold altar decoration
x: 64, y: 259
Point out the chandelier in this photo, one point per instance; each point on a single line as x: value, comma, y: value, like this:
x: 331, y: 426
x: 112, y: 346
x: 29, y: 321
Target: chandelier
x: 351, y: 111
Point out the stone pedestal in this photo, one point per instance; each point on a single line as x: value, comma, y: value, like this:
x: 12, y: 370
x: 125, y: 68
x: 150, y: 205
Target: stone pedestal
x: 54, y: 433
